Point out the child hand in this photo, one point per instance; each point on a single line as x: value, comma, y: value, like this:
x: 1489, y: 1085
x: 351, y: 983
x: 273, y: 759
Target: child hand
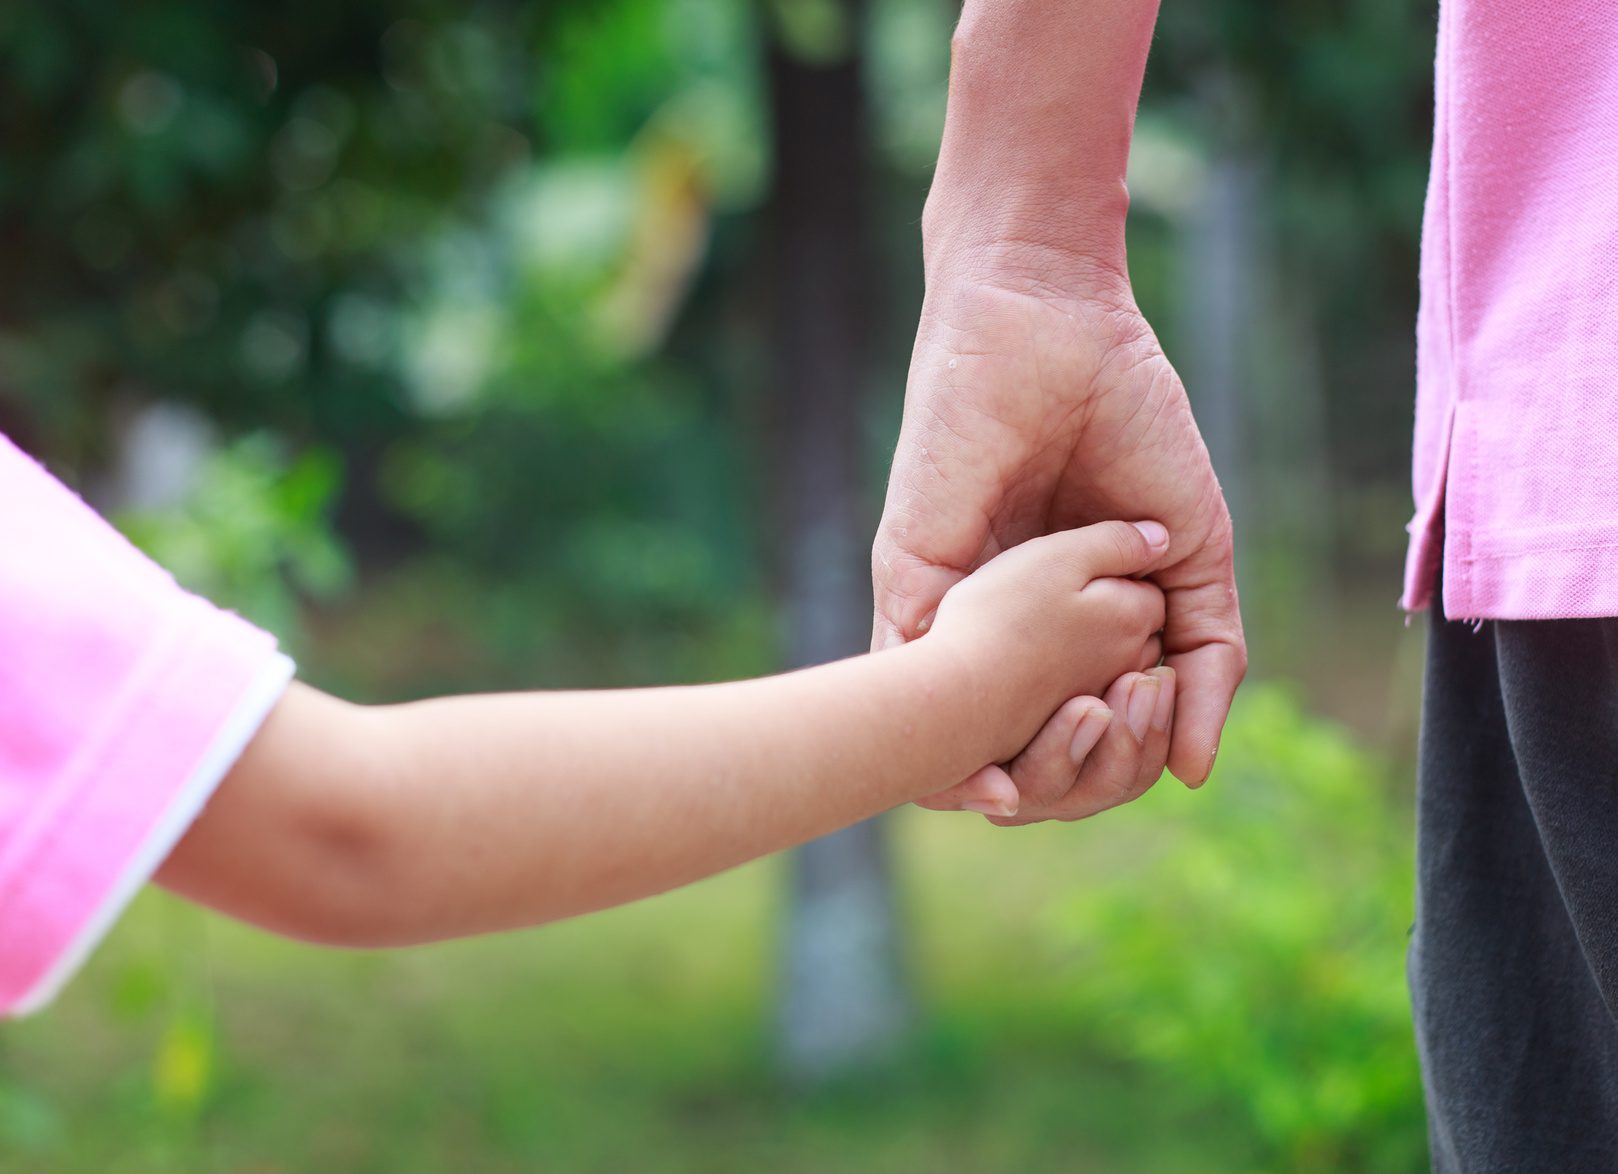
x: 1092, y: 755
x: 1052, y: 619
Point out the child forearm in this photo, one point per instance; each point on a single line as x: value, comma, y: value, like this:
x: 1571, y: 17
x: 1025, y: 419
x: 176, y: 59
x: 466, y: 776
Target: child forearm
x: 460, y: 815
x: 405, y: 823
x: 645, y: 790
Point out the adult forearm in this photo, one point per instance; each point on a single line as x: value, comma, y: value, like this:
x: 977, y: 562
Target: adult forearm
x: 1041, y: 109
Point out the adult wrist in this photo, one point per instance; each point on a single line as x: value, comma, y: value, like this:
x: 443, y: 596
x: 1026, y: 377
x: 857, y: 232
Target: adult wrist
x: 1077, y: 270
x: 1031, y: 169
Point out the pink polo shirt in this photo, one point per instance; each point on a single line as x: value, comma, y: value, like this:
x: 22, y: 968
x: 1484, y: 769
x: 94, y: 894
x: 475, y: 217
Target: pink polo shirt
x: 1516, y: 465
x: 123, y: 702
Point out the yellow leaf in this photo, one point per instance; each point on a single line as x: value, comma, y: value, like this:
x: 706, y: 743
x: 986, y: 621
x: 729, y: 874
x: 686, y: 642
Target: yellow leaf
x: 183, y: 1067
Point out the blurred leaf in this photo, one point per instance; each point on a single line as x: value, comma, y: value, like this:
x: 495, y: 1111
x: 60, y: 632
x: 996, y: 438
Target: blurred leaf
x: 182, y: 1069
x: 137, y: 989
x: 819, y: 32
x: 252, y: 532
x: 29, y: 1124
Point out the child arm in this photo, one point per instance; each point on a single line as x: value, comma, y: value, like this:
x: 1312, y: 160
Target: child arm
x: 395, y: 824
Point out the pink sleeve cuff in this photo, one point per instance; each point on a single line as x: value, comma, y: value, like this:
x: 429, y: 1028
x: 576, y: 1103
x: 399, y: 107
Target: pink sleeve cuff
x: 124, y: 701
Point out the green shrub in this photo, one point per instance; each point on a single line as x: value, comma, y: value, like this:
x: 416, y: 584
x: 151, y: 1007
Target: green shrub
x: 1254, y: 958
x: 253, y: 532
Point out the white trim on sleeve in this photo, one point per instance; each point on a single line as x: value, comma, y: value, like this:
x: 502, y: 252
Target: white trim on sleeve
x: 232, y: 738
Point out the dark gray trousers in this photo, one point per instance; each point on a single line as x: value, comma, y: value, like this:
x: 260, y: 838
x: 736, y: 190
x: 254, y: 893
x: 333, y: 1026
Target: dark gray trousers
x: 1514, y: 959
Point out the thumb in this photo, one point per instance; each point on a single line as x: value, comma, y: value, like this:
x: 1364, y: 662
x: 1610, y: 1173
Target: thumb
x: 906, y: 592
x: 884, y: 633
x: 1117, y: 550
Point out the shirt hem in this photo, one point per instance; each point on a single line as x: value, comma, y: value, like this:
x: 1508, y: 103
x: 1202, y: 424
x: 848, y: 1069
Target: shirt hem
x: 1564, y: 583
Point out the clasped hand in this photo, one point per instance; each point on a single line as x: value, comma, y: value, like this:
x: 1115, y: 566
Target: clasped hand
x: 1027, y: 414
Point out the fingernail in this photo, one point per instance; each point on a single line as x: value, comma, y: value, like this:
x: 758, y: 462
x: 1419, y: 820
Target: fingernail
x: 1088, y: 732
x: 985, y: 808
x: 1195, y: 784
x: 1155, y: 533
x: 1164, y: 709
x: 1142, y: 700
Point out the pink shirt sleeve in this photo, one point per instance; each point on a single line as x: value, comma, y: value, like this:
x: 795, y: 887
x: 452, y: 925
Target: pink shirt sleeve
x: 123, y: 702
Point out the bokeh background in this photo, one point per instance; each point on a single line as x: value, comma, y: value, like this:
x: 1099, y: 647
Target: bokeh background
x: 492, y: 344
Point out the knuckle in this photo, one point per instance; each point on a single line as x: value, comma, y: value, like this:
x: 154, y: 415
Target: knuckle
x: 887, y: 554
x: 1128, y: 789
x: 1050, y: 789
x: 1147, y: 779
x: 1103, y: 545
x: 1140, y: 605
x: 1151, y: 609
x: 1117, y: 781
x: 1040, y: 783
x: 1112, y: 594
x: 902, y: 588
x: 1126, y: 541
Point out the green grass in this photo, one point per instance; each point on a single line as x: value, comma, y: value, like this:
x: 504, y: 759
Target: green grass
x: 634, y: 1040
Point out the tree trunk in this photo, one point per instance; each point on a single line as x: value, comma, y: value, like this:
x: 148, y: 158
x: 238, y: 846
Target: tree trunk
x: 843, y: 999
x: 1217, y: 315
x: 1254, y: 379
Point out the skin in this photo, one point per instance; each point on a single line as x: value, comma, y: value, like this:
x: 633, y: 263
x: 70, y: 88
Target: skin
x: 374, y: 826
x: 1038, y: 396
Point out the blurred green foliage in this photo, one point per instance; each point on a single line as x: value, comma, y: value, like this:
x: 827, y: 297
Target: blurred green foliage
x: 1252, y: 951
x: 443, y: 246
x: 502, y: 260
x: 252, y: 533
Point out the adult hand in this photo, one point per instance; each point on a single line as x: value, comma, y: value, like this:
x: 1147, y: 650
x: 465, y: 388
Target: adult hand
x: 1038, y: 397
x: 1036, y: 405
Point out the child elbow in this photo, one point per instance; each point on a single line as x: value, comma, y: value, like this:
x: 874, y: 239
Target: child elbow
x: 349, y: 889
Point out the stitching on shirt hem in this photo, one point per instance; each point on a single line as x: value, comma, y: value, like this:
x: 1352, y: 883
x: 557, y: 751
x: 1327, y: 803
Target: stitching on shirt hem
x: 1539, y: 552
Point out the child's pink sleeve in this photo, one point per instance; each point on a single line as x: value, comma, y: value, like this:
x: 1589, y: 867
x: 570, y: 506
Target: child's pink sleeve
x: 123, y: 702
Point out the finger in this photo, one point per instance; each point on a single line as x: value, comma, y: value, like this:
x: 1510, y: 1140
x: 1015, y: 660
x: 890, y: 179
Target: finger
x: 1203, y: 642
x: 1208, y: 680
x: 1151, y: 654
x: 1108, y: 776
x: 1155, y: 748
x: 988, y: 792
x: 1117, y: 770
x: 947, y: 482
x: 906, y: 593
x: 1135, y: 604
x: 1115, y: 550
x: 1047, y: 768
x: 884, y: 633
